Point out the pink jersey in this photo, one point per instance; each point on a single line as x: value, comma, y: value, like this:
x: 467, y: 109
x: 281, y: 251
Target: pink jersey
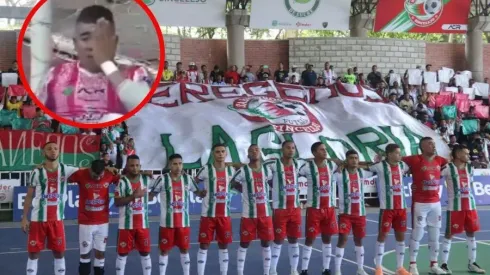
x: 76, y: 94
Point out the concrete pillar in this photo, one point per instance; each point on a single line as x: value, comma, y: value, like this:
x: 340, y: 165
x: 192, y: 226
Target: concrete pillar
x: 41, y: 45
x: 474, y: 45
x: 236, y: 21
x: 360, y: 24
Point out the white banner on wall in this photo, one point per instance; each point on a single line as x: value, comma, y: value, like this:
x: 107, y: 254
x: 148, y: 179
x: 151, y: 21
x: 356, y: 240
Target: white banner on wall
x: 301, y: 14
x: 189, y: 13
x: 7, y: 190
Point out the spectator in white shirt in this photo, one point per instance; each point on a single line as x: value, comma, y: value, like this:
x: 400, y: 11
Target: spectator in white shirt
x: 294, y: 76
x: 219, y: 81
x: 247, y: 75
x: 204, y: 75
x: 192, y: 73
x: 328, y: 74
x: 396, y: 89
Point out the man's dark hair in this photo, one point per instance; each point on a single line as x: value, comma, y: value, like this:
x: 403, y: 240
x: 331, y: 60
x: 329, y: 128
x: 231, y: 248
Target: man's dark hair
x: 48, y: 143
x: 217, y: 145
x: 457, y: 148
x: 174, y: 156
x: 351, y: 152
x: 390, y: 148
x: 422, y: 140
x: 93, y: 13
x: 105, y: 154
x: 315, y: 146
x: 286, y: 142
x: 38, y: 109
x: 133, y: 157
x: 179, y: 63
x: 98, y: 166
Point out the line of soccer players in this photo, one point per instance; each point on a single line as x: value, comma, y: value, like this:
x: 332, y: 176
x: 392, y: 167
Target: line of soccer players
x: 270, y: 224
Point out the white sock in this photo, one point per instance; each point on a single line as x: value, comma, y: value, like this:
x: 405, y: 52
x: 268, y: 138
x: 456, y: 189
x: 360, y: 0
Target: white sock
x: 327, y: 255
x: 400, y: 254
x: 266, y: 256
x: 434, y: 251
x: 120, y: 264
x: 414, y: 251
x: 360, y: 257
x: 446, y: 248
x: 242, y: 254
x: 99, y: 263
x: 162, y: 263
x: 31, y: 268
x: 59, y: 266
x: 202, y: 256
x: 293, y: 249
x: 146, y: 264
x: 223, y: 261
x: 306, y: 257
x: 471, y: 242
x: 185, y: 261
x: 339, y: 255
x: 275, y: 252
x: 380, y: 250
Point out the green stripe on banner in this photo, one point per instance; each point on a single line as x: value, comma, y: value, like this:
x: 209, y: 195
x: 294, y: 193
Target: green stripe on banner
x: 27, y: 159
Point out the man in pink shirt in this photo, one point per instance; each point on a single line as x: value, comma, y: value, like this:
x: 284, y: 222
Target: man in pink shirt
x: 93, y: 88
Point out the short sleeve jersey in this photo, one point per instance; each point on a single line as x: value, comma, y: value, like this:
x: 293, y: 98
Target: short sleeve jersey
x: 390, y: 184
x: 285, y: 188
x: 134, y: 215
x: 459, y: 192
x: 217, y: 182
x: 426, y: 177
x: 321, y: 188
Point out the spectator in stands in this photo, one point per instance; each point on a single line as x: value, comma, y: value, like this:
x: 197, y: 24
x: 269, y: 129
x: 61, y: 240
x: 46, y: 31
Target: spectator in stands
x: 219, y: 81
x: 294, y: 80
x: 321, y: 82
x: 204, y: 75
x: 374, y: 77
x: 356, y: 73
x: 214, y: 74
x: 167, y: 74
x: 192, y: 73
x: 361, y: 80
x: 41, y: 123
x: 406, y: 103
x: 396, y: 89
x: 247, y: 75
x: 485, y: 80
x: 88, y: 132
x: 294, y: 75
x: 14, y: 68
x: 443, y: 131
x: 308, y: 77
x: 393, y: 99
x: 232, y: 76
x: 13, y: 103
x: 107, y: 160
x: 452, y: 141
x: 350, y: 77
x: 263, y: 73
x: 328, y: 74
x: 281, y: 75
x: 424, y: 119
x: 180, y: 73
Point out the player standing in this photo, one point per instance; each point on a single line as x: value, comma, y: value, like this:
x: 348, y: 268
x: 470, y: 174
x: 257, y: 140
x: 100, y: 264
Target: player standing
x: 287, y: 211
x: 131, y: 197
x: 393, y: 207
x: 46, y: 193
x: 352, y: 211
x: 215, y: 214
x: 461, y: 210
x: 253, y: 181
x: 93, y: 214
x: 174, y: 188
x: 320, y: 212
x: 426, y: 204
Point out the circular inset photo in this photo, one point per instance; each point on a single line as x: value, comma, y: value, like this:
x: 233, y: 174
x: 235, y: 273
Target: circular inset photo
x: 90, y: 65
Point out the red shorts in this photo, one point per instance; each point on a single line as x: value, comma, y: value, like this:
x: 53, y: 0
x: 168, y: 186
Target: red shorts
x: 222, y: 226
x: 356, y: 223
x: 459, y: 221
x: 54, y: 231
x: 287, y: 222
x: 396, y: 219
x: 128, y: 239
x: 174, y: 236
x: 320, y: 221
x: 251, y: 227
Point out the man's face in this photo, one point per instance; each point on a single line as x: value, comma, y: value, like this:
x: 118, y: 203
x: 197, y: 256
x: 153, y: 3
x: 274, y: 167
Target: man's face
x: 321, y: 152
x: 463, y: 155
x: 179, y: 66
x: 218, y: 78
x: 428, y: 147
x: 166, y: 65
x: 219, y: 154
x: 406, y: 96
x: 15, y: 66
x: 349, y: 71
x: 51, y: 151
x: 176, y: 166
x: 443, y: 123
x: 254, y: 153
x: 133, y: 167
x: 327, y: 65
x: 452, y: 139
x: 375, y: 68
x: 353, y: 161
x: 395, y: 156
x: 83, y: 45
x: 106, y: 157
x: 281, y: 66
x: 204, y: 69
x: 288, y: 150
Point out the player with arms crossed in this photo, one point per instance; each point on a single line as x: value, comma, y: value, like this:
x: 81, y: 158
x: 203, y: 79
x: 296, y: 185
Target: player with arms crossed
x: 287, y: 211
x: 426, y: 204
x: 131, y: 197
x: 352, y: 211
x: 393, y: 207
x: 46, y: 193
x: 215, y: 215
x: 320, y: 212
x: 461, y: 210
x: 253, y: 181
x: 174, y: 189
x: 93, y: 88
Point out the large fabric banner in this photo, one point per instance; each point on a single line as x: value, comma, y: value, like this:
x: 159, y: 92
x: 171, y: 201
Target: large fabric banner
x: 21, y: 150
x: 300, y: 14
x: 189, y: 118
x: 189, y: 13
x: 422, y: 16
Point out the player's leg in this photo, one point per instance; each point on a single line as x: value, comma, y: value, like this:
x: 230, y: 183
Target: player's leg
x: 143, y: 245
x: 224, y: 237
x: 100, y: 243
x: 329, y: 227
x: 125, y: 240
x: 57, y: 243
x: 385, y: 224
x: 400, y: 227
x: 359, y: 232
x: 312, y: 229
x: 85, y: 238
x: 453, y: 226
x: 471, y: 226
x: 280, y: 221
x: 166, y: 238
x: 434, y: 224
x: 182, y: 240
x: 419, y: 222
x: 293, y: 234
x: 344, y: 230
x: 207, y: 227
x: 248, y: 233
x: 35, y: 244
x: 265, y: 233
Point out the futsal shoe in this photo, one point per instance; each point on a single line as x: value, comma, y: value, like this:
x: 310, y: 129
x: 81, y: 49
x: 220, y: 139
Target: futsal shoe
x: 304, y: 272
x: 475, y: 268
x: 402, y: 271
x: 446, y: 269
x: 435, y: 270
x: 413, y: 269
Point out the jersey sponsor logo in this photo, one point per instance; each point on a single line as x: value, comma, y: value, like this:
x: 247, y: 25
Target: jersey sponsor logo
x: 432, y: 184
x: 203, y: 235
x: 278, y: 230
x: 51, y: 196
x: 431, y: 168
x: 97, y: 185
x: 164, y: 241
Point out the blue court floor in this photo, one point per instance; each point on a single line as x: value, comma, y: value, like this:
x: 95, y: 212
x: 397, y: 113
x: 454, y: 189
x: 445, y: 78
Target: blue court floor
x: 13, y: 254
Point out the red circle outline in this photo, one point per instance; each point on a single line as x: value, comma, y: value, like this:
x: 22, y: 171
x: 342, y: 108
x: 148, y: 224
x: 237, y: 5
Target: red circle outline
x: 20, y: 43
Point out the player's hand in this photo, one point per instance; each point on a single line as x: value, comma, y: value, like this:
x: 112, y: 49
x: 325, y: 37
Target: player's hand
x: 113, y: 170
x: 104, y: 42
x: 138, y: 193
x: 25, y: 225
x: 203, y: 193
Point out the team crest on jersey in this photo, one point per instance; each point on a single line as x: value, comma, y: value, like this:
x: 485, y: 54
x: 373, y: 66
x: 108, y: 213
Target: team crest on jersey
x: 286, y: 116
x: 84, y: 244
x: 146, y: 242
x: 122, y: 244
x: 164, y: 241
x: 333, y: 225
x: 32, y: 243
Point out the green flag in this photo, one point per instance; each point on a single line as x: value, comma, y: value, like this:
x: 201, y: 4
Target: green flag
x: 67, y: 129
x: 6, y: 117
x: 449, y: 112
x: 470, y: 126
x: 19, y: 123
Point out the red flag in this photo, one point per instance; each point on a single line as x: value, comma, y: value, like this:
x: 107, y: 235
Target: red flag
x: 16, y: 90
x: 476, y: 102
x: 443, y: 100
x: 481, y: 111
x: 463, y: 105
x: 431, y: 102
x: 29, y: 111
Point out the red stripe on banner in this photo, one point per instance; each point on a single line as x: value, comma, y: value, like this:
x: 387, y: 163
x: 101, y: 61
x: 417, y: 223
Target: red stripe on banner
x: 387, y: 10
x: 71, y: 144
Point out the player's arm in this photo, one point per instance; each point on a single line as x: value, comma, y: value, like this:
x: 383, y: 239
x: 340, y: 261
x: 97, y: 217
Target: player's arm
x: 236, y: 181
x: 156, y: 187
x: 120, y: 200
x: 200, y: 177
x: 194, y: 188
x: 28, y: 199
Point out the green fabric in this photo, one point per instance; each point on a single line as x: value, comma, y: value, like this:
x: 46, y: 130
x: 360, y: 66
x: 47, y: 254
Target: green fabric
x: 19, y: 123
x: 350, y: 78
x: 470, y: 126
x: 6, y: 117
x: 67, y: 129
x: 449, y: 112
